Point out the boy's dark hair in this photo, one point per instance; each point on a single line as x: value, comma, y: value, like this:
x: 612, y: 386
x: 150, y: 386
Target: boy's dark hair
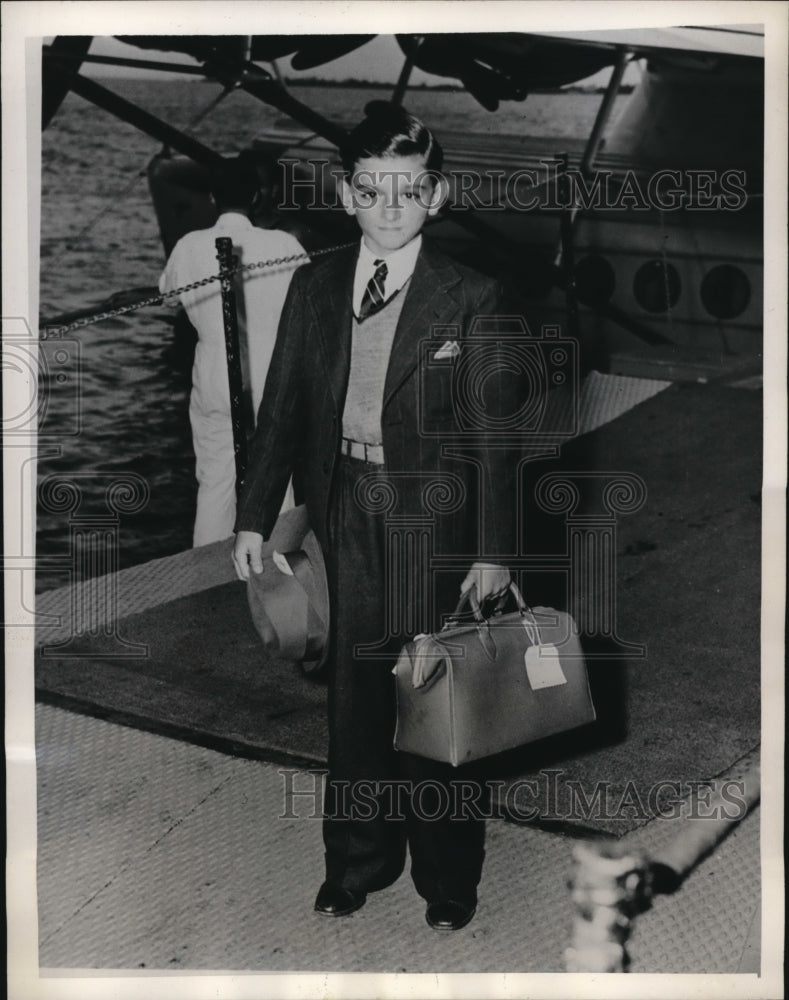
x: 388, y: 130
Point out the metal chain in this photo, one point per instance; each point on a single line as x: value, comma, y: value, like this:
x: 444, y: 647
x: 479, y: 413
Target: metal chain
x: 157, y: 299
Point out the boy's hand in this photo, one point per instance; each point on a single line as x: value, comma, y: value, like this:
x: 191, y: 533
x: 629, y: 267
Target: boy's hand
x: 248, y: 551
x: 491, y: 580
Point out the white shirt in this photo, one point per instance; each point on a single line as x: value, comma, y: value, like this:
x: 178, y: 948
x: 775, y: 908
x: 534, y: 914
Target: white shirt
x: 400, y: 266
x: 194, y: 257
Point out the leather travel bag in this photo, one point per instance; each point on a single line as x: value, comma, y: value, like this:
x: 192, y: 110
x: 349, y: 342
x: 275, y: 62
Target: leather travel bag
x: 484, y: 685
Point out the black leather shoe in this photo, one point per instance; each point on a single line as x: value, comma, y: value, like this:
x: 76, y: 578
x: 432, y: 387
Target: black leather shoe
x: 334, y: 901
x: 449, y: 914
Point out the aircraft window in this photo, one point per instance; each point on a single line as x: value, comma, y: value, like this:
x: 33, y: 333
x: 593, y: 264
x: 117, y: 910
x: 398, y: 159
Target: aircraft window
x: 594, y: 280
x: 656, y: 286
x: 725, y: 291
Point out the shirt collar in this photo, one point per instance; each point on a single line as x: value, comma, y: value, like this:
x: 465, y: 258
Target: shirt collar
x: 234, y: 217
x: 400, y: 266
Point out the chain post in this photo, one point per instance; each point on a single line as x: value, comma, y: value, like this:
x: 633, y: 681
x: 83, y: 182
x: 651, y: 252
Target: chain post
x: 227, y: 266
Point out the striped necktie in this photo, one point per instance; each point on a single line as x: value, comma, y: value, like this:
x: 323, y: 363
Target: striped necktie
x: 373, y: 298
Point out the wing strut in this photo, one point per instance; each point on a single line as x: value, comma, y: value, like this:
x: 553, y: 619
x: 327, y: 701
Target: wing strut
x: 405, y: 73
x: 56, y: 75
x: 604, y: 112
x: 259, y: 82
x: 143, y: 120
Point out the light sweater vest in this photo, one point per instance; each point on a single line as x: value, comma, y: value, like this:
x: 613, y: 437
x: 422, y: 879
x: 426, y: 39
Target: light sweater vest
x: 371, y: 345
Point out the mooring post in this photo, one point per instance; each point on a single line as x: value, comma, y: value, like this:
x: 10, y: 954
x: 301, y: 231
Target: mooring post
x: 610, y: 887
x: 227, y: 263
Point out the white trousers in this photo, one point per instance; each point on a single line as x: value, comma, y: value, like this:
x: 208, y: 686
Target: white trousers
x: 215, y: 470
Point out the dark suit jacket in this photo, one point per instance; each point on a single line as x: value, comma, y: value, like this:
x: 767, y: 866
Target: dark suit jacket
x: 299, y: 422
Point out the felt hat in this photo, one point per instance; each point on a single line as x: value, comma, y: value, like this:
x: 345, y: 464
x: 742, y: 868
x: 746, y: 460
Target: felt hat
x: 289, y: 600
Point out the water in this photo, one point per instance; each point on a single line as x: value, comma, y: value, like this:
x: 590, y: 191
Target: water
x: 122, y: 410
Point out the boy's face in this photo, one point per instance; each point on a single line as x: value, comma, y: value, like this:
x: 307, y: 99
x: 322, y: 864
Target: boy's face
x: 391, y: 198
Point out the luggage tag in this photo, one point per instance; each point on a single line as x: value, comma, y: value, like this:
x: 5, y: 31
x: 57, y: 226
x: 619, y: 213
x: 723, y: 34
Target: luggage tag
x: 543, y: 666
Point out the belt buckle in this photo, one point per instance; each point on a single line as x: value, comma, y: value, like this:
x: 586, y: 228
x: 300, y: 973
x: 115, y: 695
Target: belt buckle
x: 361, y: 450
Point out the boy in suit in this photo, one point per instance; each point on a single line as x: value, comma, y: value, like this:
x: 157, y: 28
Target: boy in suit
x: 341, y: 412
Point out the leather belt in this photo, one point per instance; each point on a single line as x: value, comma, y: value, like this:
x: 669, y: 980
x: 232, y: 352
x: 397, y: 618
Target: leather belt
x: 373, y: 453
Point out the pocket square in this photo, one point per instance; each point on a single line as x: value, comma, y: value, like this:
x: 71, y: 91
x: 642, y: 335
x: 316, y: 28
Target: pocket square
x: 450, y: 349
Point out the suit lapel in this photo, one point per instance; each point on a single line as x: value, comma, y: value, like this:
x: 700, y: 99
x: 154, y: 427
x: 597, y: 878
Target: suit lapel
x: 432, y: 298
x: 332, y: 309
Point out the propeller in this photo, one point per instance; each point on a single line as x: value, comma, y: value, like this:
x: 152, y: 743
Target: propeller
x: 324, y: 48
x: 494, y: 68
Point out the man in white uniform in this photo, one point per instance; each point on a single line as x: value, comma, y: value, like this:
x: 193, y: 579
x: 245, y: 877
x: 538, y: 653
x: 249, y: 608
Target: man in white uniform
x: 260, y: 294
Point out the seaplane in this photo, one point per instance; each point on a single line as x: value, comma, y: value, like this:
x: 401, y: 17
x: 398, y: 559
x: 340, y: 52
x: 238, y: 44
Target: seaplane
x: 644, y: 237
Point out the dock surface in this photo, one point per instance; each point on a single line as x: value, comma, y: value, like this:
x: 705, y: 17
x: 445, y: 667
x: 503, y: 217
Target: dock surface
x: 155, y: 854
x: 163, y: 836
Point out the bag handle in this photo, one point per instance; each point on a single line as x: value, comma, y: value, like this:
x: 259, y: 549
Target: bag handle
x: 481, y: 622
x: 529, y: 623
x: 470, y: 596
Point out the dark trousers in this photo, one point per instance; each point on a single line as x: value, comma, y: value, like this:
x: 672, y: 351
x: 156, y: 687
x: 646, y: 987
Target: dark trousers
x: 378, y: 799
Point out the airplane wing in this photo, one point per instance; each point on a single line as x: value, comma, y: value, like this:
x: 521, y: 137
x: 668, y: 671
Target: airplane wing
x: 492, y: 66
x: 496, y: 67
x: 732, y: 40
x: 307, y: 51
